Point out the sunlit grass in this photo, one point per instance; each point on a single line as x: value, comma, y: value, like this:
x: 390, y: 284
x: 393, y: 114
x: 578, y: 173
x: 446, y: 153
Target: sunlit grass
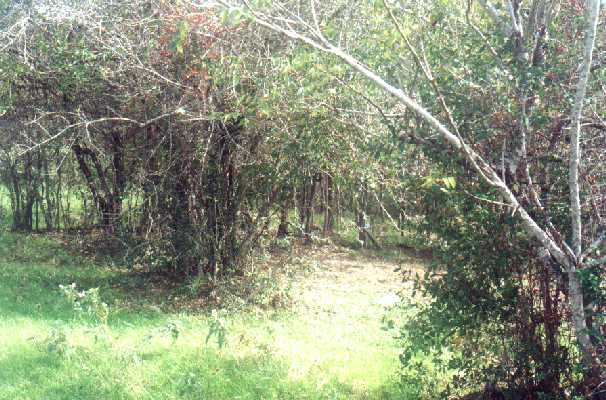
x: 47, y: 351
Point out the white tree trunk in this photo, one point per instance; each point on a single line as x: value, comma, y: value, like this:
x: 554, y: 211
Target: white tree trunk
x: 575, y: 119
x: 575, y: 290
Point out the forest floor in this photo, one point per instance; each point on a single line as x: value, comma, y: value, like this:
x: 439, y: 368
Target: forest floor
x: 329, y: 343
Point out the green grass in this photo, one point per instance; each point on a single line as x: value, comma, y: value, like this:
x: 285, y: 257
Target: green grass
x: 47, y: 351
x: 5, y: 205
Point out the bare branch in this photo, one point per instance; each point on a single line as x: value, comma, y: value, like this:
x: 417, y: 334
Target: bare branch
x: 86, y: 124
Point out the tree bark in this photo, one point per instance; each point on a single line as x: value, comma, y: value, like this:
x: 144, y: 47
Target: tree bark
x: 575, y: 288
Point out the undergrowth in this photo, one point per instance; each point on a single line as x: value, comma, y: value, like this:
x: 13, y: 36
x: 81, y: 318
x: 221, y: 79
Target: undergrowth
x: 71, y: 328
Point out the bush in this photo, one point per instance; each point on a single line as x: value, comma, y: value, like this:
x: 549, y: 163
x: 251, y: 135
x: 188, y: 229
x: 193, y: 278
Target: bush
x: 493, y: 306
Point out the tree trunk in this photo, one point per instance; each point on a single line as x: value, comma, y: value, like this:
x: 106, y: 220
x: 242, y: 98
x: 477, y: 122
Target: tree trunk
x: 361, y: 224
x: 283, y: 226
x: 119, y: 183
x: 575, y: 287
x: 308, y: 190
x: 88, y: 177
x: 328, y: 205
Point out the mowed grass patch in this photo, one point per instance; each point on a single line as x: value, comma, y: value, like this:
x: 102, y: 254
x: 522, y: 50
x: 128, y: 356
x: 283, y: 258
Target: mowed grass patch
x: 50, y: 351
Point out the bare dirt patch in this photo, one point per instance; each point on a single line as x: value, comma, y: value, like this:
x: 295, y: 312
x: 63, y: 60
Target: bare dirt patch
x: 350, y: 284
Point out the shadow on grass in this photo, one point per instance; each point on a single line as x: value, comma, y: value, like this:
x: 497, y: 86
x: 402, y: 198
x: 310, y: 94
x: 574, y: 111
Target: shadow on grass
x: 31, y: 290
x: 32, y: 267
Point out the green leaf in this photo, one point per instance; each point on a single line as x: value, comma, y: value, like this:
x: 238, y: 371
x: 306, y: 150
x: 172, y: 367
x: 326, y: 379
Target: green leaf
x: 450, y: 182
x: 180, y: 37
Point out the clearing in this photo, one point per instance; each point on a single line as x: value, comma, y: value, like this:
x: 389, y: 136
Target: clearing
x: 330, y: 344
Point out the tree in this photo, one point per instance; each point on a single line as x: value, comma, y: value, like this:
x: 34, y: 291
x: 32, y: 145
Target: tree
x: 525, y: 34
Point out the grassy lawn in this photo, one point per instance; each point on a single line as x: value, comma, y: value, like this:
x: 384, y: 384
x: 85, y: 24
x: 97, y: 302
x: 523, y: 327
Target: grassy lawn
x: 329, y: 346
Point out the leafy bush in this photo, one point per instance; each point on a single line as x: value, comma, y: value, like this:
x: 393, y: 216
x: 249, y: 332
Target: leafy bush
x: 426, y: 359
x: 152, y: 254
x: 283, y: 243
x: 3, y: 216
x: 493, y: 306
x: 217, y: 328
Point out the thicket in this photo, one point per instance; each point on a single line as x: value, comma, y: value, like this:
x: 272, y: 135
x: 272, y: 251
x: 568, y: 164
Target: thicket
x: 162, y: 127
x: 187, y: 134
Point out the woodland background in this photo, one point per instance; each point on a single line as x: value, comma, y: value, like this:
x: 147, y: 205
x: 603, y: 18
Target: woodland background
x: 191, y: 144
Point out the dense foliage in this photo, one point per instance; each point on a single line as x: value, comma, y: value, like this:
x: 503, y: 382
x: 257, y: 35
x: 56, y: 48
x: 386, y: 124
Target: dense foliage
x: 189, y: 133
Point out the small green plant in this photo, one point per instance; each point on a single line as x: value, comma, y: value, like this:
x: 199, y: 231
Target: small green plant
x: 56, y: 341
x: 283, y: 243
x: 86, y: 303
x: 217, y: 328
x: 172, y: 329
